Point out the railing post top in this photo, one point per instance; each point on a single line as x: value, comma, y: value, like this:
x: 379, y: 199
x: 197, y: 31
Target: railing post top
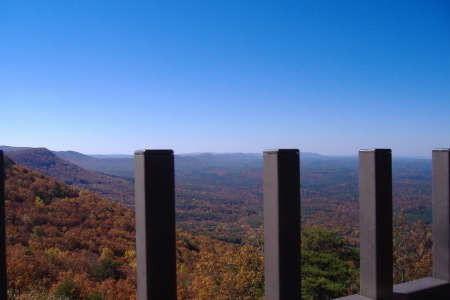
x: 375, y: 150
x: 441, y: 150
x: 281, y: 151
x: 154, y: 152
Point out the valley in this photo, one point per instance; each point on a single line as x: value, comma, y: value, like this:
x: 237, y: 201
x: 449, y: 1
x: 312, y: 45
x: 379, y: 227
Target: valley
x: 75, y: 243
x: 220, y: 195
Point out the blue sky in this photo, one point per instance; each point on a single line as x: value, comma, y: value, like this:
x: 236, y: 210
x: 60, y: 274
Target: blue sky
x: 330, y: 77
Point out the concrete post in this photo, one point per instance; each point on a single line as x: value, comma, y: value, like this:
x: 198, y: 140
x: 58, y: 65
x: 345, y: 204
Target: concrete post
x: 155, y: 224
x: 282, y: 224
x: 375, y: 223
x: 3, y: 283
x: 441, y: 214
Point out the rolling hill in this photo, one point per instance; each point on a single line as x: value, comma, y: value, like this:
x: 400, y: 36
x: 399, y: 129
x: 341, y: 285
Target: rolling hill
x: 11, y: 148
x: 64, y: 241
x: 114, y: 188
x: 122, y: 167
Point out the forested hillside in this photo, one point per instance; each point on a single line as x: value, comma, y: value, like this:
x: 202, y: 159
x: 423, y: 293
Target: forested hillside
x: 114, y: 188
x: 63, y: 242
x: 220, y: 195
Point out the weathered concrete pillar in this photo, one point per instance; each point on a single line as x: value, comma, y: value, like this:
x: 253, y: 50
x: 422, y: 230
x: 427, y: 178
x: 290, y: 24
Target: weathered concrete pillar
x: 3, y: 284
x: 155, y: 224
x: 282, y: 224
x: 375, y: 223
x: 441, y: 214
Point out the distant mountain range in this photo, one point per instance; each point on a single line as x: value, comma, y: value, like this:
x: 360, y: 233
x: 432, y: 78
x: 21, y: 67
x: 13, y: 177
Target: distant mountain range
x: 123, y: 165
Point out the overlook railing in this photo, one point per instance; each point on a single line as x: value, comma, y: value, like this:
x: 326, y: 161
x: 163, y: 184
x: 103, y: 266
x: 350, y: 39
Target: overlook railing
x: 155, y: 227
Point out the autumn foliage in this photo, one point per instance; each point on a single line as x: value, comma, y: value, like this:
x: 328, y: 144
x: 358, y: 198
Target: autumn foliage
x: 412, y: 250
x: 70, y: 244
x: 65, y: 243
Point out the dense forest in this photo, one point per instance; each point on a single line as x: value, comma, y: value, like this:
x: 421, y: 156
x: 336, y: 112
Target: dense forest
x: 69, y: 243
x: 66, y: 243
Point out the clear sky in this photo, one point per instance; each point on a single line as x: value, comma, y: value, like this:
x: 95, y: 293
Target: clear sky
x: 332, y: 77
